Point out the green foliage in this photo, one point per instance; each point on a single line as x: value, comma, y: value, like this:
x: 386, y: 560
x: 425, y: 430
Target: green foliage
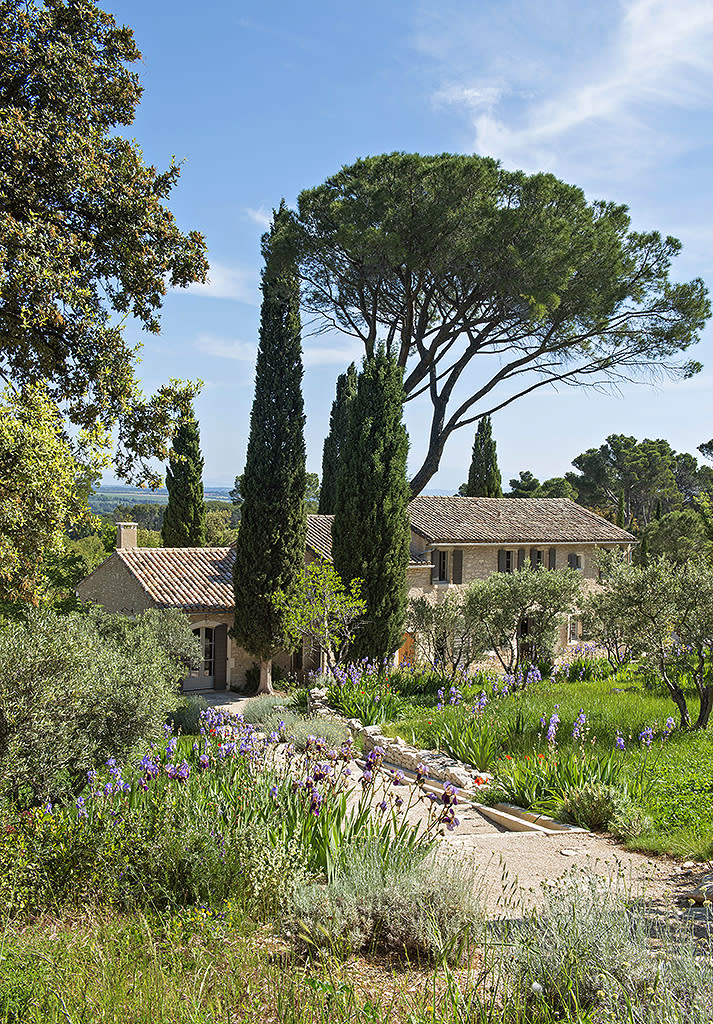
x: 39, y: 494
x: 633, y: 481
x: 86, y: 237
x: 185, y: 719
x: 665, y: 611
x: 500, y: 606
x: 373, y: 703
x: 184, y: 516
x: 270, y: 547
x: 218, y: 530
x: 524, y: 486
x: 446, y: 637
x: 324, y: 611
x: 390, y: 906
x: 336, y: 439
x: 470, y: 738
x: 679, y: 536
x: 544, y: 781
x: 77, y: 689
x: 371, y: 530
x: 484, y: 476
x: 595, y: 804
x: 426, y: 250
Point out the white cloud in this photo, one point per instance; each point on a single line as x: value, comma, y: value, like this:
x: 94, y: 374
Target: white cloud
x: 226, y: 348
x: 350, y: 351
x: 261, y: 215
x: 229, y: 283
x: 312, y: 355
x: 609, y: 101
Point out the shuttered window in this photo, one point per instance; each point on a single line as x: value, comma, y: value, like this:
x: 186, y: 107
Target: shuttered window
x: 553, y: 558
x: 457, y: 567
x: 442, y: 566
x: 521, y: 556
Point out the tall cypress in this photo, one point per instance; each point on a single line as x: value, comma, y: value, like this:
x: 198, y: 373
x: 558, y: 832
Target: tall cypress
x: 484, y: 476
x: 371, y: 530
x: 184, y: 517
x: 336, y: 439
x: 270, y: 549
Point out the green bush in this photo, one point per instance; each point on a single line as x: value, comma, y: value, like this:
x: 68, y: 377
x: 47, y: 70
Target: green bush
x: 404, y: 906
x: 185, y: 719
x: 78, y: 689
x: 595, y: 804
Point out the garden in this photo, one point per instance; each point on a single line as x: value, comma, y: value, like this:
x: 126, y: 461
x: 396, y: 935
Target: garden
x: 199, y: 866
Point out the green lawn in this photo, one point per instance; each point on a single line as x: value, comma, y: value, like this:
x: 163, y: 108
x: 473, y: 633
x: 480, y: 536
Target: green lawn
x: 675, y: 773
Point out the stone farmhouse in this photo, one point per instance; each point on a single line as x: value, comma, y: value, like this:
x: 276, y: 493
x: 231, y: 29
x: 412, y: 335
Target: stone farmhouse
x: 454, y: 540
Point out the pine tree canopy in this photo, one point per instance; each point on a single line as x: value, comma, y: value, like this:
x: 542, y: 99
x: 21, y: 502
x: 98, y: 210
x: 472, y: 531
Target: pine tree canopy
x: 371, y: 531
x: 184, y: 519
x: 270, y: 548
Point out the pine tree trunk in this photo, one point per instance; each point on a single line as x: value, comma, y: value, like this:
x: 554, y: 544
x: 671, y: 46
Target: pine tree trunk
x: 265, y: 677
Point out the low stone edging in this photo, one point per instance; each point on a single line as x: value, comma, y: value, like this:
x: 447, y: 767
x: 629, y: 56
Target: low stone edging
x: 398, y: 752
x: 441, y: 768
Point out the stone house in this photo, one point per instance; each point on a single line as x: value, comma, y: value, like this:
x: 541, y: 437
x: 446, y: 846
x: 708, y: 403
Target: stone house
x: 454, y: 540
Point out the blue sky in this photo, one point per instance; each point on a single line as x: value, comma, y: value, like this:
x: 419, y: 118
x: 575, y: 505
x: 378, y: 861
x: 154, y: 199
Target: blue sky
x: 261, y: 100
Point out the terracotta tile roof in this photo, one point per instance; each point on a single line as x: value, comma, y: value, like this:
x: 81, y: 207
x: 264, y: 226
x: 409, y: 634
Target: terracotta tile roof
x: 195, y: 579
x: 319, y: 540
x: 319, y: 535
x: 457, y: 519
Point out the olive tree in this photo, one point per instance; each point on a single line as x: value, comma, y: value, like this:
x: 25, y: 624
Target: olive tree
x: 77, y: 689
x: 520, y: 613
x: 445, y: 634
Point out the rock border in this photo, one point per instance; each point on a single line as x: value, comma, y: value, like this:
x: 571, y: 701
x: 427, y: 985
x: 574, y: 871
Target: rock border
x: 441, y: 769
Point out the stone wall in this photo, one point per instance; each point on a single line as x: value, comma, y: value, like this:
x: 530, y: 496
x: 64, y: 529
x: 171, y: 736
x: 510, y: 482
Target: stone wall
x: 440, y: 767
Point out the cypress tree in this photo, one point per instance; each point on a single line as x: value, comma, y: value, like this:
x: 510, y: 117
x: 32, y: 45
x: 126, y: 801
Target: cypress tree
x: 336, y: 439
x: 621, y: 511
x: 371, y: 530
x: 270, y: 549
x: 484, y: 476
x: 184, y: 517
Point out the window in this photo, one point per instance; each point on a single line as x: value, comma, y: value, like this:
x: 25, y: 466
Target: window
x: 537, y: 558
x: 206, y: 667
x: 506, y: 560
x: 574, y: 561
x: 442, y: 566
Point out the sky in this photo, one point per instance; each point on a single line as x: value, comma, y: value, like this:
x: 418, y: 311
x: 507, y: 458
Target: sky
x: 261, y: 100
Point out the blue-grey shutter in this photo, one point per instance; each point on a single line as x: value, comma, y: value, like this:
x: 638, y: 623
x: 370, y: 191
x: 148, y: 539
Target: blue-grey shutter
x: 553, y: 558
x: 572, y: 561
x: 521, y: 556
x: 457, y: 567
x: 501, y: 560
x: 533, y: 557
x: 220, y: 654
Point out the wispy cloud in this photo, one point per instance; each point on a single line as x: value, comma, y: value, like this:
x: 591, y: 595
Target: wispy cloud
x: 340, y: 354
x: 229, y: 283
x: 333, y: 354
x: 655, y: 60
x: 226, y: 348
x: 261, y: 215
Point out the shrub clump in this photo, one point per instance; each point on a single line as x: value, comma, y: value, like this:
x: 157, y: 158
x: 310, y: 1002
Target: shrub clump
x: 377, y: 902
x: 77, y: 689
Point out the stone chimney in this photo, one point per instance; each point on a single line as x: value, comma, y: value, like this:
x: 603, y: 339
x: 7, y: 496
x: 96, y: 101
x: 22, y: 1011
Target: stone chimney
x: 126, y: 535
